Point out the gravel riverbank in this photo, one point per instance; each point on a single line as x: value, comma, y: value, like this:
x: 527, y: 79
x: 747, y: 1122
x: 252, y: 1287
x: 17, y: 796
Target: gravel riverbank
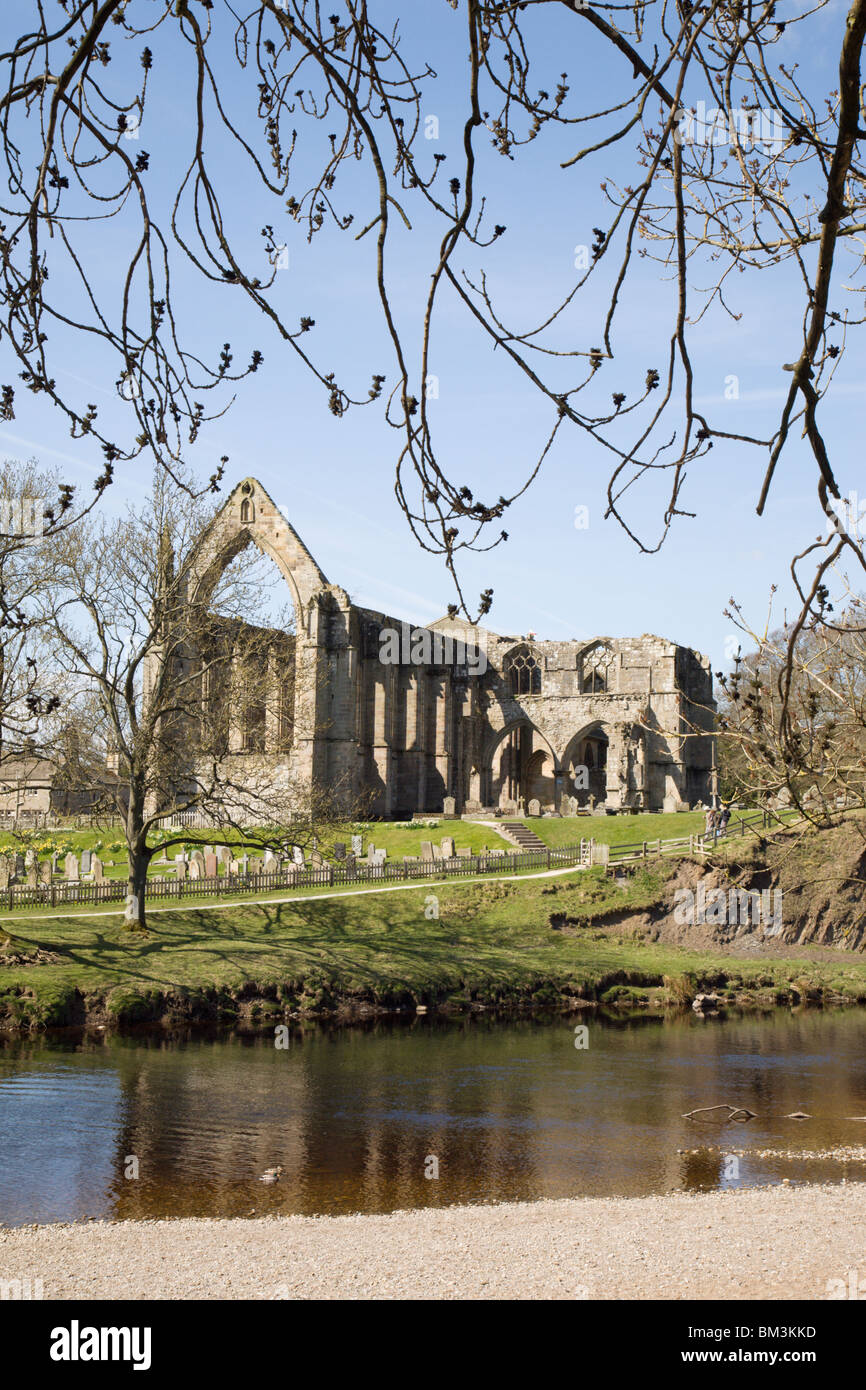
x: 775, y: 1243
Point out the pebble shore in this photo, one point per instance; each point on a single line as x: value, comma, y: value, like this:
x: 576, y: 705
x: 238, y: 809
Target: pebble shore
x: 767, y: 1243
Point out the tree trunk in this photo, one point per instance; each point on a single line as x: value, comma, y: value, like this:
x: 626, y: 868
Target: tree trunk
x: 139, y: 858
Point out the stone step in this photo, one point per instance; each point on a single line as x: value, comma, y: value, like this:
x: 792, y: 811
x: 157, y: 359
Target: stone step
x: 520, y: 835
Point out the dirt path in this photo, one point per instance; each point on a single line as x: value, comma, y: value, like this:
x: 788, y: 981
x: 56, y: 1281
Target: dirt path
x: 775, y: 1243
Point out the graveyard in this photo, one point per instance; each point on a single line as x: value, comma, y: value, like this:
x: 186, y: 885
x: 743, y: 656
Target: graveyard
x: 70, y: 856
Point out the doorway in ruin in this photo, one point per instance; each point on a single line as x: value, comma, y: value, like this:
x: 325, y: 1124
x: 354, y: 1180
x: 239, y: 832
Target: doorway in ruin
x: 585, y: 766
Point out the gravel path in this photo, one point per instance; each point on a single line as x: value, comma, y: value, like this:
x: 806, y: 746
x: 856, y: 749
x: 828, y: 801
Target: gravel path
x: 775, y: 1243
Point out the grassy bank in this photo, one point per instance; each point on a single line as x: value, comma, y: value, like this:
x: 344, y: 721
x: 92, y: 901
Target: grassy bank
x: 530, y: 943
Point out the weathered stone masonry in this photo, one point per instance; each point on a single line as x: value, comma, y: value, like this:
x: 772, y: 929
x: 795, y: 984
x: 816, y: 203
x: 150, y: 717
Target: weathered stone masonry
x: 568, y: 724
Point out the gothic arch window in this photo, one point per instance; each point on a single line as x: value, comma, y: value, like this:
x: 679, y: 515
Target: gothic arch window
x: 523, y: 671
x: 596, y: 669
x: 247, y: 514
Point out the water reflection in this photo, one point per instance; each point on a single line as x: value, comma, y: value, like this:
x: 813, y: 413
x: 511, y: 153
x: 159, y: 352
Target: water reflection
x: 511, y: 1111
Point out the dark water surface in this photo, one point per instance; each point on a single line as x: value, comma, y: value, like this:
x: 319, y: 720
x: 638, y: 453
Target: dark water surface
x: 511, y: 1111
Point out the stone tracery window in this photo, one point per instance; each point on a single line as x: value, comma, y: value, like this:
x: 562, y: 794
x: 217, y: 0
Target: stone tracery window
x: 596, y: 669
x: 523, y: 671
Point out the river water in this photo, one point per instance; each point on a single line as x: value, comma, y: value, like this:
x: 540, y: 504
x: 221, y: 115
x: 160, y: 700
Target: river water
x: 157, y: 1125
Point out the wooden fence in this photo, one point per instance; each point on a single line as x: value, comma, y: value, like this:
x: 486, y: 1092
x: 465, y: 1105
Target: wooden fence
x: 337, y: 874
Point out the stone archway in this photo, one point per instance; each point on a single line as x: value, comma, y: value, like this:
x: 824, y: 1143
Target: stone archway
x: 584, y: 766
x: 249, y: 516
x: 519, y: 765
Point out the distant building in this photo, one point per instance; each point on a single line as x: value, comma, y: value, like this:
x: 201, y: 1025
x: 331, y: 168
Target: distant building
x: 410, y: 716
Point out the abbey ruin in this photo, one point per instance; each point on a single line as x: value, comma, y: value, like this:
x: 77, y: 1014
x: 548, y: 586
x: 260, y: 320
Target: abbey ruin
x: 451, y: 715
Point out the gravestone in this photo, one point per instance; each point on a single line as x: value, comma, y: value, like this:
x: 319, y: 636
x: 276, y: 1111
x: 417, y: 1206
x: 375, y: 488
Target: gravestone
x: 534, y: 807
x: 211, y: 865
x: 371, y: 853
x: 196, y: 864
x: 70, y: 867
x: 55, y: 856
x: 45, y: 873
x: 316, y: 859
x: 269, y: 862
x: 380, y: 856
x: 30, y: 858
x: 437, y: 851
x: 245, y: 864
x: 96, y: 869
x: 32, y: 876
x: 339, y: 849
x: 357, y: 844
x: 232, y: 866
x: 86, y: 860
x: 224, y: 854
x: 448, y: 806
x: 465, y: 853
x: 20, y: 866
x: 5, y: 871
x: 447, y: 847
x: 180, y: 868
x: 426, y: 849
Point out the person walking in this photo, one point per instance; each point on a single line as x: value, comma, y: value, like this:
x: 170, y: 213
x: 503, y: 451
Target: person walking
x: 724, y: 817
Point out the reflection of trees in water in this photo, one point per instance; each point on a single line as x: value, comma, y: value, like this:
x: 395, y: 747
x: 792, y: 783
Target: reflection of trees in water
x: 511, y: 1111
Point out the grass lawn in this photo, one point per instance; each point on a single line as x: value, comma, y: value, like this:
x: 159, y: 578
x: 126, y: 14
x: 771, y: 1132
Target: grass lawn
x: 491, y: 941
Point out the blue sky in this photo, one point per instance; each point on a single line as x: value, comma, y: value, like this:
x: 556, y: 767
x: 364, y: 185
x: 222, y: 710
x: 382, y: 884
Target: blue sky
x: 335, y: 477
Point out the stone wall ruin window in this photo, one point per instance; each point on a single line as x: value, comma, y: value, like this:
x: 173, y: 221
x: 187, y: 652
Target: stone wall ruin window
x: 523, y: 672
x: 596, y: 670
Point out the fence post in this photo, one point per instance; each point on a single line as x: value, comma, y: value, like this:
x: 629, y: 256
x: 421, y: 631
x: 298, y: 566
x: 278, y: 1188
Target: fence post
x: 548, y: 858
x: 644, y: 849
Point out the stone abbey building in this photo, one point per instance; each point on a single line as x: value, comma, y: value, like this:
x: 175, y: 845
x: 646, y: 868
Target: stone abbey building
x: 402, y: 718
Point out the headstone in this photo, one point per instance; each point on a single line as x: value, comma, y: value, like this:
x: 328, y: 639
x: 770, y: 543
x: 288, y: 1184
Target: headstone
x: 350, y: 863
x: 20, y: 866
x: 339, y: 849
x: 45, y: 873
x: 269, y: 862
x: 232, y: 866
x: 5, y: 871
x: 224, y: 854
x: 534, y: 808
x: 70, y: 867
x: 55, y: 856
x: 380, y: 856
x: 32, y: 876
x: 669, y: 805
x: 196, y: 864
x: 357, y: 844
x: 316, y: 859
x: 245, y: 864
x: 448, y: 806
x: 180, y: 868
x: 371, y: 853
x: 30, y: 858
x: 86, y: 860
x: 464, y: 853
x: 426, y: 849
x: 447, y: 847
x: 437, y: 851
x: 211, y: 865
x: 96, y: 869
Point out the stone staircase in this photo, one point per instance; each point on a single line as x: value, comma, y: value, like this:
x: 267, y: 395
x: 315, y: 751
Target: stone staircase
x: 520, y: 835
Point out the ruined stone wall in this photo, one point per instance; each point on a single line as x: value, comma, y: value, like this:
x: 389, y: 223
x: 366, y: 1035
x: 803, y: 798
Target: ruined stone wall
x: 400, y: 736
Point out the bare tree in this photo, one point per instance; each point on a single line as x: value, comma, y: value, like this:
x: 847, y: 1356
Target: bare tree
x: 771, y: 182
x: 793, y: 715
x: 184, y: 689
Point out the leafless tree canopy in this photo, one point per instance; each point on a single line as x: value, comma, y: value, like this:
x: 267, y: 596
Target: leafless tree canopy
x: 342, y: 90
